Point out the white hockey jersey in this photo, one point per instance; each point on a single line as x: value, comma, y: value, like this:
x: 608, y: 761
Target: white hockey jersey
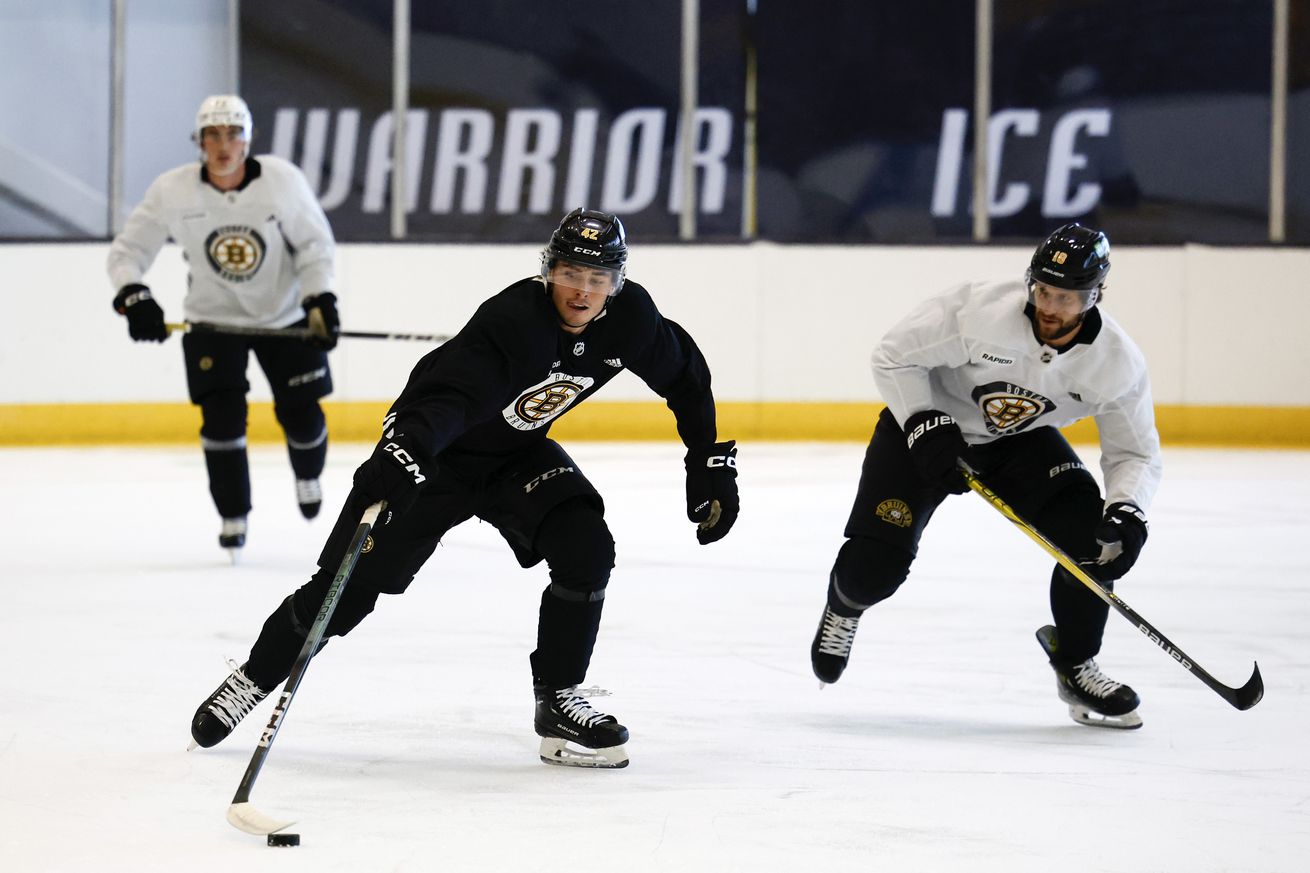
x: 253, y: 254
x: 971, y: 352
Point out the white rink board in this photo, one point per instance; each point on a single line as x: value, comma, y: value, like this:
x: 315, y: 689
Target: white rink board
x: 777, y: 323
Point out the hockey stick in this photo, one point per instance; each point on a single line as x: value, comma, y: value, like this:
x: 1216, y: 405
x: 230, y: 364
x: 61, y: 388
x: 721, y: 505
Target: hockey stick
x: 300, y: 333
x: 1242, y: 698
x: 242, y: 815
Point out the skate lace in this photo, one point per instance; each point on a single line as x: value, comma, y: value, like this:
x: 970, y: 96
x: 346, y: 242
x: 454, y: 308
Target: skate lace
x: 838, y: 634
x: 309, y: 491
x: 236, y: 699
x: 577, y: 707
x: 1093, y: 681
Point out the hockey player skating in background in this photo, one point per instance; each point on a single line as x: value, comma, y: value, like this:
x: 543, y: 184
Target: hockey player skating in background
x: 260, y: 254
x: 468, y: 437
x: 987, y: 373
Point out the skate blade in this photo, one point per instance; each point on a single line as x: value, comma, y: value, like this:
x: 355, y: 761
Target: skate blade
x: 1127, y: 722
x: 233, y: 554
x: 559, y: 752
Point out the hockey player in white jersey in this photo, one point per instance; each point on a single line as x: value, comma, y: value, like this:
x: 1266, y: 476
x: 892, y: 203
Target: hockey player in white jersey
x: 260, y: 254
x: 987, y: 373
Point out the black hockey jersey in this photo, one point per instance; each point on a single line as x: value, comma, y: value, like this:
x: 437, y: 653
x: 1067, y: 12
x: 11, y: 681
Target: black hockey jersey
x: 496, y: 387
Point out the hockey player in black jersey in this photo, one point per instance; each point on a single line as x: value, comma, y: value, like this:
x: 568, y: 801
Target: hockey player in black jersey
x: 468, y: 438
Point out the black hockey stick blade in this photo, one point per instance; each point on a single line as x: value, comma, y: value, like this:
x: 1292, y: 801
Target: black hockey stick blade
x: 1249, y: 694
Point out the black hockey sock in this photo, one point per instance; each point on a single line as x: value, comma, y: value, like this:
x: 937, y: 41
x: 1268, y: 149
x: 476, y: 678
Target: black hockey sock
x: 307, y: 436
x: 1080, y: 616
x: 866, y: 572
x: 229, y: 480
x: 280, y: 641
x: 840, y: 606
x: 308, y: 457
x: 566, y: 636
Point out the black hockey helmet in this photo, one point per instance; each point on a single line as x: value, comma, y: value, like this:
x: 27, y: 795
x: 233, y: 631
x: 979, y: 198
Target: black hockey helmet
x: 589, y: 238
x: 1074, y: 258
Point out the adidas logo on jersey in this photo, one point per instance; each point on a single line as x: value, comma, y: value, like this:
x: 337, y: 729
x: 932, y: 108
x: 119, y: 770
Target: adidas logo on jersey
x: 614, y: 362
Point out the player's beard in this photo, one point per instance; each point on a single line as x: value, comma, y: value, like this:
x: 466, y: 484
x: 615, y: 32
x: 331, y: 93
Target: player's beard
x: 1047, y: 333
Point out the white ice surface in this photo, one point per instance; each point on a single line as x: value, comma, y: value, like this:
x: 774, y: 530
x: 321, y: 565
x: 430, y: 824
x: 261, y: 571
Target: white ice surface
x: 409, y: 747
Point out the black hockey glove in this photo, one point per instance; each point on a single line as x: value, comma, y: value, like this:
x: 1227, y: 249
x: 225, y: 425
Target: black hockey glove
x: 712, y: 501
x: 936, y: 445
x: 1121, y: 535
x: 392, y: 473
x: 145, y: 320
x: 324, y: 323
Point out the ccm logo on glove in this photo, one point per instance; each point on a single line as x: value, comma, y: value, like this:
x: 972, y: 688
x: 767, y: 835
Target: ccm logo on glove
x: 712, y: 502
x: 391, y: 473
x: 722, y: 460
x: 406, y: 460
x: 145, y: 320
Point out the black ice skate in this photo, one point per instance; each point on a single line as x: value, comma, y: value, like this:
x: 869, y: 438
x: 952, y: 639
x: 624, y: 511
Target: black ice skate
x: 1094, y: 698
x: 233, y: 536
x: 831, y: 648
x: 224, y: 709
x: 564, y: 716
x: 309, y: 494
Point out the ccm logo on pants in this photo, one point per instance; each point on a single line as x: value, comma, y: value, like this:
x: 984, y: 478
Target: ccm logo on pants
x: 549, y: 474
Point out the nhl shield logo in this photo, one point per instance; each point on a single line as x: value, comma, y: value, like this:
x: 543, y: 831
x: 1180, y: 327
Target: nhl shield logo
x: 579, y: 348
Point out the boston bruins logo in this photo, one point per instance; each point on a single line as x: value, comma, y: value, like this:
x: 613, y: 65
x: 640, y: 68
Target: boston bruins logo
x: 1009, y: 408
x: 895, y: 512
x: 545, y: 401
x: 368, y: 545
x: 236, y: 253
x: 1006, y: 412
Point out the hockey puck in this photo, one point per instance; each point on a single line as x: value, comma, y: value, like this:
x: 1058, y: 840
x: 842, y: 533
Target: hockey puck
x: 284, y: 839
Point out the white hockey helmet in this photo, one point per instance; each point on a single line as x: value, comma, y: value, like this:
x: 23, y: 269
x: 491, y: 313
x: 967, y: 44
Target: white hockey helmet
x: 223, y: 110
